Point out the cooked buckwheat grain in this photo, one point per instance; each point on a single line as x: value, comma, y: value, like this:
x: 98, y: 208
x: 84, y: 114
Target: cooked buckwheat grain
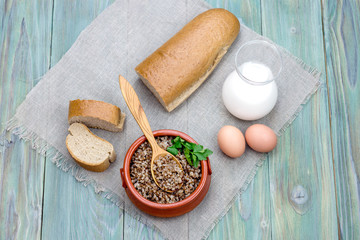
x: 141, y: 178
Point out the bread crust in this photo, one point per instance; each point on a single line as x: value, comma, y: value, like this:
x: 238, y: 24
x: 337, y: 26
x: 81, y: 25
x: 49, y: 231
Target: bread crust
x: 79, y: 109
x: 95, y: 167
x: 176, y: 69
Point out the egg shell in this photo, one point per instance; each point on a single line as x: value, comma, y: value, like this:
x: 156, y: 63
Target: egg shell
x: 261, y: 138
x: 231, y: 141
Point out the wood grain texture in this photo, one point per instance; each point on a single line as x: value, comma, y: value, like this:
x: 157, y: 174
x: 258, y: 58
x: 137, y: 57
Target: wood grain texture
x: 25, y: 29
x: 248, y: 11
x: 69, y: 19
x: 342, y: 42
x: 72, y: 211
x: 301, y: 168
x: 250, y: 215
x: 21, y: 191
x: 134, y: 105
x: 135, y: 230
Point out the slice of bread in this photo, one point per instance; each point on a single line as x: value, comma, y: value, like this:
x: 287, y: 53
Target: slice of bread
x: 96, y: 114
x: 89, y: 151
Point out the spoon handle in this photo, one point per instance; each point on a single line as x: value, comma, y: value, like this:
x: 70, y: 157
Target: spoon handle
x: 133, y: 102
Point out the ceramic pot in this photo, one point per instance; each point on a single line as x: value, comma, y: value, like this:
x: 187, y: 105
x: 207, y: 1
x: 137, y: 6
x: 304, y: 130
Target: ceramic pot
x: 170, y: 209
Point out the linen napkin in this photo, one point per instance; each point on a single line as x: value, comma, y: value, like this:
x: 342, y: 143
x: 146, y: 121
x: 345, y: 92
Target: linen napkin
x: 114, y: 43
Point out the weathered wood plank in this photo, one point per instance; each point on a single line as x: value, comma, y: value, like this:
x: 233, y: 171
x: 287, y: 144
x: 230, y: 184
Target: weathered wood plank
x: 25, y: 31
x: 72, y: 211
x: 70, y: 18
x: 134, y: 230
x: 249, y: 217
x: 248, y: 11
x: 342, y: 38
x: 21, y: 191
x: 301, y: 167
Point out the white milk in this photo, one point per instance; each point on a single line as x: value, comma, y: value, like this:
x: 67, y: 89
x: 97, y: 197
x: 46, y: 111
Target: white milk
x: 250, y: 100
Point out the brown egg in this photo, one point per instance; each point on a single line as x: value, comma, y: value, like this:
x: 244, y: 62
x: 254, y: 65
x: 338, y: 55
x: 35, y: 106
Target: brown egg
x: 231, y: 141
x: 261, y: 138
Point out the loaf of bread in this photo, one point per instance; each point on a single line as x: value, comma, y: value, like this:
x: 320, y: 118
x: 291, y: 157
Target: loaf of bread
x: 96, y: 114
x: 175, y: 70
x: 89, y: 151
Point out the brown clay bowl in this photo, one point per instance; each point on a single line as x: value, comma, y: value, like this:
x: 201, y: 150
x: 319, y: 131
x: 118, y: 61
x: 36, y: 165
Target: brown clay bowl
x: 170, y: 209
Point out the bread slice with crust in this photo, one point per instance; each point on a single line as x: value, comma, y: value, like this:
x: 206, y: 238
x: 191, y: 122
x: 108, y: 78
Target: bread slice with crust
x: 96, y: 114
x: 89, y: 151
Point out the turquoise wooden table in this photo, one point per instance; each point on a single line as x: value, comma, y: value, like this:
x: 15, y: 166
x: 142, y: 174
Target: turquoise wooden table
x: 309, y: 186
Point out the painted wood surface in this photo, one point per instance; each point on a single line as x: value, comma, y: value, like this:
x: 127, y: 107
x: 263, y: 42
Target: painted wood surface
x: 342, y: 41
x: 307, y: 189
x: 25, y: 33
x: 301, y: 167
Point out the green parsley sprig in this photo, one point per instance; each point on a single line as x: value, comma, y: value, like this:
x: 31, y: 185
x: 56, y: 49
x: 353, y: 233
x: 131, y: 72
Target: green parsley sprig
x: 194, y: 153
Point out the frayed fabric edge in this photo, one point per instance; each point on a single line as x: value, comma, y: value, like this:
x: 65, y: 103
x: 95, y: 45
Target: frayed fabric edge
x: 258, y: 164
x: 42, y: 147
x: 316, y: 75
x: 13, y: 126
x: 248, y: 180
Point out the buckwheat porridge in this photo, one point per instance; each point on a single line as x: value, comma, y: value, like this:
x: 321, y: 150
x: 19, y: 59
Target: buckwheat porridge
x: 141, y: 178
x: 168, y: 173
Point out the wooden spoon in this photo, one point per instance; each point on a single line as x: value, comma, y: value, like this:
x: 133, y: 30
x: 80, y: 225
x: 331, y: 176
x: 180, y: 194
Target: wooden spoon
x: 137, y: 111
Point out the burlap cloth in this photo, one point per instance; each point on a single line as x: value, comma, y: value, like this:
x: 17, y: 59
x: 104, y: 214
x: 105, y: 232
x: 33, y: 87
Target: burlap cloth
x: 114, y: 43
